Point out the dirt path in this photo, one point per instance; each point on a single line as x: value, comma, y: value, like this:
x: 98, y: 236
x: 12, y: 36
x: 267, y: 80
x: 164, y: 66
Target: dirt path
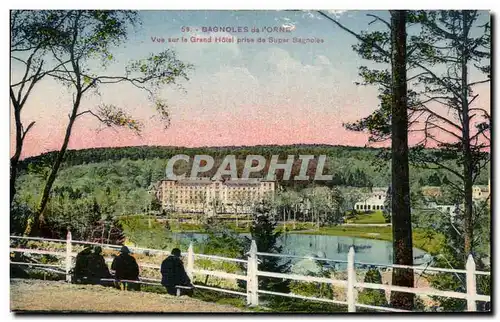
x: 50, y: 296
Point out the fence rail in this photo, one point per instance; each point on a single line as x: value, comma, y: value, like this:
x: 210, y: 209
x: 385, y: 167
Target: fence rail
x: 253, y: 274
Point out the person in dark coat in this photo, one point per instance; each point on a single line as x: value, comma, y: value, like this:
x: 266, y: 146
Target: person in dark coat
x: 91, y: 267
x: 126, y: 268
x: 81, y: 272
x: 98, y: 267
x: 173, y: 274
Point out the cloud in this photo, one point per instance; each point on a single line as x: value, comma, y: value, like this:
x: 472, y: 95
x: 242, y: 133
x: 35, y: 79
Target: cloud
x: 287, y: 22
x: 278, y: 62
x: 336, y: 14
x: 322, y: 60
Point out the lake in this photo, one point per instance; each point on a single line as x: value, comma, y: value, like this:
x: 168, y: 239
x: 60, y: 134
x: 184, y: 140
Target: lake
x: 334, y: 247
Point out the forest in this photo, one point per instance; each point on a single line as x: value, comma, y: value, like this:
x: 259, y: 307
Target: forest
x: 116, y: 181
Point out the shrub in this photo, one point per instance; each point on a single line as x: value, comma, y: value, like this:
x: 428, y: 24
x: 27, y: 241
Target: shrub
x: 372, y: 296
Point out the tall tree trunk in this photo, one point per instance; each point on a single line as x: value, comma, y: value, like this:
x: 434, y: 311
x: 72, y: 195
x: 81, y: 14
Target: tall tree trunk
x: 284, y: 219
x: 294, y: 217
x: 401, y: 216
x: 18, y: 103
x: 14, y: 160
x: 20, y: 135
x: 467, y: 153
x: 236, y: 212
x: 33, y: 224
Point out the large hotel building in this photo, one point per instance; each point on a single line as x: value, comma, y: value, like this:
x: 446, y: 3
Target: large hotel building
x: 204, y: 195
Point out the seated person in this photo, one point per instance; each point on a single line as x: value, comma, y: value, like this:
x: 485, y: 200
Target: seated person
x: 126, y: 268
x: 91, y: 267
x: 99, y: 268
x: 82, y: 269
x: 174, y: 274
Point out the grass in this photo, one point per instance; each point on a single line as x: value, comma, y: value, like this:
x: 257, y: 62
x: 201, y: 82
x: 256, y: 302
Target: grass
x: 375, y: 217
x: 198, y: 228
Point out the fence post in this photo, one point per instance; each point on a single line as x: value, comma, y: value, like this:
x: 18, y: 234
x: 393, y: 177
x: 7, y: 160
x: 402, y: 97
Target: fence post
x: 471, y: 284
x: 249, y: 277
x: 190, y: 262
x: 68, y: 256
x: 351, y: 281
x: 252, y: 278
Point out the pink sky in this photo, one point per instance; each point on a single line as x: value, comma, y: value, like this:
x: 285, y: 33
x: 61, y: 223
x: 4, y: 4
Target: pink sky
x: 227, y: 129
x: 222, y: 129
x: 236, y: 95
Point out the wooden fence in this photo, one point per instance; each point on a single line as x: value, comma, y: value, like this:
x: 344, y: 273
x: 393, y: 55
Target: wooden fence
x: 253, y: 273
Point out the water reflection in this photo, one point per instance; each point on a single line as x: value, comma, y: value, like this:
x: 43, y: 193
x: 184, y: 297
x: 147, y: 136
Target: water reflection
x: 333, y: 247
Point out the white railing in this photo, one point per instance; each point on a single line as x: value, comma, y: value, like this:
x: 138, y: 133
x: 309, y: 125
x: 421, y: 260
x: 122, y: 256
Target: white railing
x: 253, y: 273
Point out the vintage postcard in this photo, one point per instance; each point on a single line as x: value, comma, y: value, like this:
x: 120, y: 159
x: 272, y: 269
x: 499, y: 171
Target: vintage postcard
x: 250, y: 161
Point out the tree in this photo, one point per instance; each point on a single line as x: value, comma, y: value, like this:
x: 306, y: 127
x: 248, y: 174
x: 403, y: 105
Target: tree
x: 84, y: 40
x: 200, y: 198
x: 386, y: 212
x: 391, y: 120
x: 294, y: 200
x: 451, y: 253
x: 240, y: 201
x: 146, y: 234
x: 267, y: 238
x: 440, y: 58
x: 31, y: 36
x: 400, y: 187
x: 350, y: 197
x: 155, y: 204
x: 71, y: 208
x: 222, y: 241
x: 283, y: 205
x: 441, y: 55
x: 359, y: 179
x: 333, y: 208
x: 434, y: 180
x: 452, y: 40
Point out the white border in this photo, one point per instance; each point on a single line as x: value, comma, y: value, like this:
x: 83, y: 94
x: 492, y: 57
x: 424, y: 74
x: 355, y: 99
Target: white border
x: 152, y: 4
x: 257, y: 4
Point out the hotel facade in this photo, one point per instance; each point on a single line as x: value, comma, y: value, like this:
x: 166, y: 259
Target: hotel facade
x: 204, y: 195
x: 373, y: 200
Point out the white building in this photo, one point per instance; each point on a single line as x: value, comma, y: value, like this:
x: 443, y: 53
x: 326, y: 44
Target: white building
x: 372, y: 201
x: 480, y: 192
x: 204, y: 195
x: 447, y: 210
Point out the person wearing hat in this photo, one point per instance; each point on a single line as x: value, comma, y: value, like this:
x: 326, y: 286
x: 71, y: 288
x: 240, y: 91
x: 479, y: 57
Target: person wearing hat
x: 98, y: 268
x: 126, y: 268
x: 173, y: 275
